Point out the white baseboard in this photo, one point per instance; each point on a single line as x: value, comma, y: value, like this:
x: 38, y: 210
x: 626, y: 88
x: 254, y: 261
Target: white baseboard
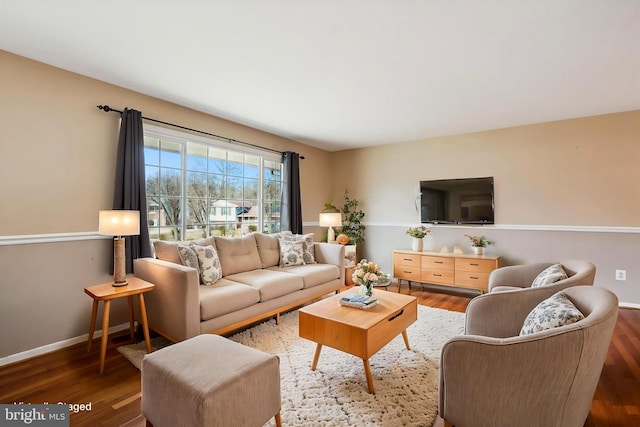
x: 57, y: 345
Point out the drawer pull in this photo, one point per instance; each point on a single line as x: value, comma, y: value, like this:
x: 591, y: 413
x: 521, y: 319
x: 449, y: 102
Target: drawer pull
x: 405, y: 271
x: 438, y: 262
x: 472, y: 277
x: 475, y: 265
x: 407, y: 259
x: 437, y: 275
x: 398, y: 314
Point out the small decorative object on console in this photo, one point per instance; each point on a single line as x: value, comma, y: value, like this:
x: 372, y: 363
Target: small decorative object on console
x: 478, y: 243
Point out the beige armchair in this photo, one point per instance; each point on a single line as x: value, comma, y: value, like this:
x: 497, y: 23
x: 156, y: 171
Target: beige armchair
x: 491, y: 376
x: 520, y: 277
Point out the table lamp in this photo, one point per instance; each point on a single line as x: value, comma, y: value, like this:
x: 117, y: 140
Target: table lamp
x: 330, y: 218
x: 119, y: 223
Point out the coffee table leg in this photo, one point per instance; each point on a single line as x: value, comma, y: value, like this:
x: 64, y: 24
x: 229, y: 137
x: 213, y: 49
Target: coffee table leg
x: 316, y: 357
x: 406, y: 339
x: 367, y: 372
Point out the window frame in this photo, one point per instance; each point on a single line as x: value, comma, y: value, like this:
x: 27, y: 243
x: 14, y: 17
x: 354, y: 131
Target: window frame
x: 183, y: 139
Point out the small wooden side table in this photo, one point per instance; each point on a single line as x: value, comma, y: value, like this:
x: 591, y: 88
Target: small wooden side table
x: 107, y: 292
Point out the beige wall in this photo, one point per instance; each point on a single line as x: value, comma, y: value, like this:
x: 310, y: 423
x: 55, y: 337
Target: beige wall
x: 553, y: 181
x: 56, y: 173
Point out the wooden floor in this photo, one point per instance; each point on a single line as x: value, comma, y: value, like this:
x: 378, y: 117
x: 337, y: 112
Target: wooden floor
x: 70, y: 375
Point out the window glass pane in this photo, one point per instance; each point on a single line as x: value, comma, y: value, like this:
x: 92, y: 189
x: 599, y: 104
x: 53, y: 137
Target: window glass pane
x: 171, y: 154
x: 251, y: 166
x: 152, y: 174
x: 170, y: 183
x: 235, y: 164
x: 151, y: 151
x: 197, y: 212
x: 217, y: 186
x: 197, y: 157
x: 251, y: 189
x: 234, y: 188
x: 196, y: 184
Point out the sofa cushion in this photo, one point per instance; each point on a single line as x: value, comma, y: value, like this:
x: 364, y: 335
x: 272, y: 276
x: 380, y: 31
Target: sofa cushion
x: 291, y: 253
x: 308, y: 249
x: 271, y: 284
x: 549, y: 276
x: 226, y: 296
x: 555, y: 311
x: 238, y: 254
x: 268, y: 249
x: 312, y: 274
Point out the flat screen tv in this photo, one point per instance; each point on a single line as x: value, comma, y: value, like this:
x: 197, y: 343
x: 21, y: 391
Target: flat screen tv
x: 457, y: 201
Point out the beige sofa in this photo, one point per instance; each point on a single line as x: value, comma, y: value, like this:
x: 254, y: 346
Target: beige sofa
x: 253, y: 286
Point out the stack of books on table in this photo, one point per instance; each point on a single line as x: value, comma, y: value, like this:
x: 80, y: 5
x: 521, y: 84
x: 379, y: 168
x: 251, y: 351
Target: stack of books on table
x: 359, y: 301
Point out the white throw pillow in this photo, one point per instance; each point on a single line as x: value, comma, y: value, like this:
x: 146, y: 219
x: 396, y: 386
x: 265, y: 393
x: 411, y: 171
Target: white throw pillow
x: 291, y: 253
x: 555, y: 311
x: 209, y: 263
x: 549, y: 276
x: 307, y: 250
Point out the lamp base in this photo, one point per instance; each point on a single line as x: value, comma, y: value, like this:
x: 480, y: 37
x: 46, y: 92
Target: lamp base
x: 119, y: 271
x: 331, y: 235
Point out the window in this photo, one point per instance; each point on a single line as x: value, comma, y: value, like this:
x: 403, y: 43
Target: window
x: 199, y: 187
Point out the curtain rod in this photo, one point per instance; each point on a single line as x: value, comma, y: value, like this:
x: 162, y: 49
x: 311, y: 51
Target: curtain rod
x: 108, y: 109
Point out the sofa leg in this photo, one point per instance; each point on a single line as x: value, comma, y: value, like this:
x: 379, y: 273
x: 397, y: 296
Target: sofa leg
x: 447, y: 424
x: 148, y: 424
x: 277, y: 318
x: 278, y: 420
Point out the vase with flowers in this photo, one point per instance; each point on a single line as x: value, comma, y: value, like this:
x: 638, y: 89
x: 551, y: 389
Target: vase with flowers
x: 478, y: 243
x: 418, y: 233
x: 367, y: 274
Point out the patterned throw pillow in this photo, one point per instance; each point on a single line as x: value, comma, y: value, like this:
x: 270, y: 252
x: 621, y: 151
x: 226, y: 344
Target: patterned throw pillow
x: 307, y: 239
x: 209, y: 263
x: 549, y: 276
x: 291, y: 253
x: 555, y: 311
x: 188, y: 256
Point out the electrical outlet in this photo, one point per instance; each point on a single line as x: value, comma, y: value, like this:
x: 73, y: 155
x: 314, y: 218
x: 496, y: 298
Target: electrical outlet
x: 621, y: 275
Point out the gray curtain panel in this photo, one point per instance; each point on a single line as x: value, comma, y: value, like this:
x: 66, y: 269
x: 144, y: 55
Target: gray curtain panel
x: 130, y: 186
x: 291, y: 215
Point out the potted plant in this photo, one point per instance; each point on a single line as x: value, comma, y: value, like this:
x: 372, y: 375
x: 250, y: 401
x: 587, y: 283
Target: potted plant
x: 352, y: 224
x: 418, y: 233
x: 478, y: 243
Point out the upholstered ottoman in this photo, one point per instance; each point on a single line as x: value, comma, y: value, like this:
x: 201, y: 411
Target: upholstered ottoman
x: 209, y: 381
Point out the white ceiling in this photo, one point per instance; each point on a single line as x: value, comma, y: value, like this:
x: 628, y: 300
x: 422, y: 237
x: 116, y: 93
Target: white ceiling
x: 340, y: 74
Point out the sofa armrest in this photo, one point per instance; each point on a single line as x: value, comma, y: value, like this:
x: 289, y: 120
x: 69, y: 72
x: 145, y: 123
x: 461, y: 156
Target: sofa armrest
x: 481, y: 375
x: 330, y: 253
x: 173, y: 307
x: 520, y: 276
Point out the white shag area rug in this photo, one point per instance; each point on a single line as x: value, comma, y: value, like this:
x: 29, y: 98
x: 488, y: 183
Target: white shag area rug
x: 335, y: 394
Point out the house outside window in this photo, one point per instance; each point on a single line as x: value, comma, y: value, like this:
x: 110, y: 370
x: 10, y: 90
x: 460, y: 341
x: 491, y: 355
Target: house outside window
x: 200, y: 187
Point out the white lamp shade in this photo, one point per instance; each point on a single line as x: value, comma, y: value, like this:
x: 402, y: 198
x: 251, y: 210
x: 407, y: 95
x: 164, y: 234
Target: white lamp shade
x: 119, y: 223
x: 330, y: 219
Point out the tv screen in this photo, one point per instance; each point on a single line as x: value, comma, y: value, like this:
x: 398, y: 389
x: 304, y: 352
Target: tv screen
x: 457, y: 201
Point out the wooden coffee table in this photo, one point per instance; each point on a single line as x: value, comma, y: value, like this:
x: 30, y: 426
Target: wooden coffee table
x: 355, y: 331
